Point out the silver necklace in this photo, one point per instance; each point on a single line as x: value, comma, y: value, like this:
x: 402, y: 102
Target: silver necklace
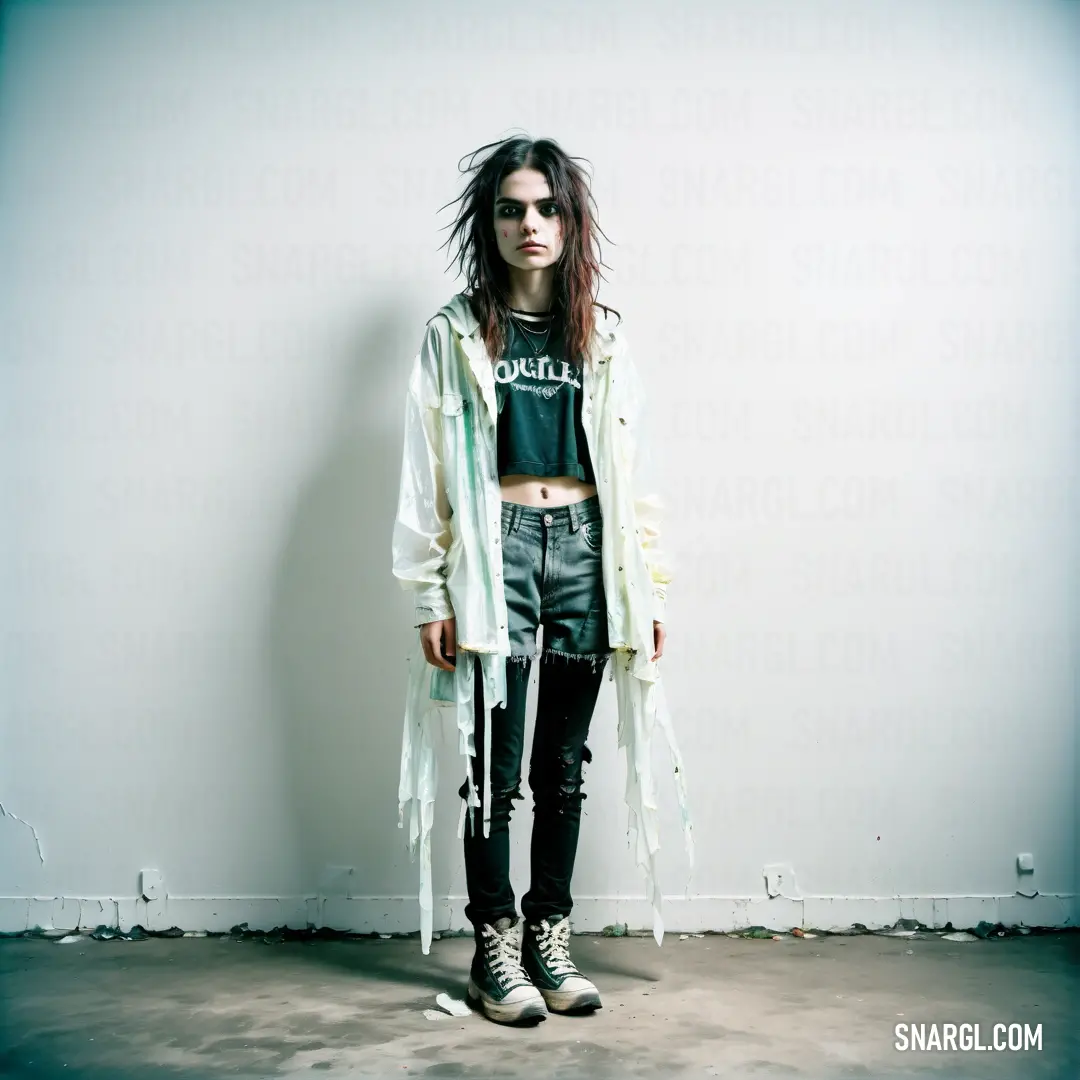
x: 526, y: 335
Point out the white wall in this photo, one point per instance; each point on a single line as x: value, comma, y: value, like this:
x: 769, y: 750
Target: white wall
x: 844, y: 245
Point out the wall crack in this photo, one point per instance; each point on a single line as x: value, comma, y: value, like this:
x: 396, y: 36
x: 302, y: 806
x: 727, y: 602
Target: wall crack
x: 37, y: 839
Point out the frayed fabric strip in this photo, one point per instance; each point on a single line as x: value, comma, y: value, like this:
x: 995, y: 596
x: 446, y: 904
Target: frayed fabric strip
x: 418, y: 783
x: 642, y: 702
x: 596, y: 659
x: 549, y: 654
x: 419, y: 777
x: 467, y: 805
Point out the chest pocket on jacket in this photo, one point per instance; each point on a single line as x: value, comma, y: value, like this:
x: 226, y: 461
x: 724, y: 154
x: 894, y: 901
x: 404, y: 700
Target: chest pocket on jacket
x: 452, y: 404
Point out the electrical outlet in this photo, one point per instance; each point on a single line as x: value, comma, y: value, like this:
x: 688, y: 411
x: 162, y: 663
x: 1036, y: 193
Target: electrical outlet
x: 150, y: 884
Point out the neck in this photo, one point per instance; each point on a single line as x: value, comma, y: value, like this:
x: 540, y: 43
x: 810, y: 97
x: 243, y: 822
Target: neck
x: 531, y: 290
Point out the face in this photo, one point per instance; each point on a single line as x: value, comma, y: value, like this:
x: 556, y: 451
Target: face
x: 525, y: 211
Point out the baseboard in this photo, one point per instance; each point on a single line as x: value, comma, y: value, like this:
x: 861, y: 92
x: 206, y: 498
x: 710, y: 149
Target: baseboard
x: 400, y: 914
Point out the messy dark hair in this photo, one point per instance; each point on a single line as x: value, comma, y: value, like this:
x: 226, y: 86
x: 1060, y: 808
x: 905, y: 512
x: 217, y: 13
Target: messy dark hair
x: 577, y: 273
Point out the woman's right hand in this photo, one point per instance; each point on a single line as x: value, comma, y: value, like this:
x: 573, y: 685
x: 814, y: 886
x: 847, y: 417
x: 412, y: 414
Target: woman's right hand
x: 439, y: 639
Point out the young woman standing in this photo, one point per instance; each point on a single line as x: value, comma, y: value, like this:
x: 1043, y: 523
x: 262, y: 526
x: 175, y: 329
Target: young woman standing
x: 520, y: 507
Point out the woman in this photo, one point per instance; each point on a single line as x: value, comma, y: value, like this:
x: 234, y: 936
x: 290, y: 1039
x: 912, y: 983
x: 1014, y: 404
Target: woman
x: 522, y: 504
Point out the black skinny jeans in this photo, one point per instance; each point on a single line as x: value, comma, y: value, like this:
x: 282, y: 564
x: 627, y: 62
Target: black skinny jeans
x: 553, y: 577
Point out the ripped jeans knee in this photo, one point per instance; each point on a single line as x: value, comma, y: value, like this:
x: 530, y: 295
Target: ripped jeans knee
x: 502, y: 802
x: 557, y: 788
x: 564, y: 799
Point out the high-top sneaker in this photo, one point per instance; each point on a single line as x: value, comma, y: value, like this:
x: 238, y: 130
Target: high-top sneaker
x: 545, y: 956
x: 497, y: 979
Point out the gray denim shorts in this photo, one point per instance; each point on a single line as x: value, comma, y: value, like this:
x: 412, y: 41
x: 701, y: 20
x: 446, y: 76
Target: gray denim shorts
x: 553, y: 576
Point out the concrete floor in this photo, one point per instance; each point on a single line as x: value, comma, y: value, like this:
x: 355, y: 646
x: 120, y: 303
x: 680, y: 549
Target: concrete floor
x: 711, y: 1006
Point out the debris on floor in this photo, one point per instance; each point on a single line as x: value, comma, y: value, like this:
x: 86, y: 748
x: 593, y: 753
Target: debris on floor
x: 109, y: 933
x: 454, y: 1006
x: 903, y: 928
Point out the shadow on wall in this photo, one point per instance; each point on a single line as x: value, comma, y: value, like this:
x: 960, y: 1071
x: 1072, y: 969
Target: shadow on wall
x: 339, y: 630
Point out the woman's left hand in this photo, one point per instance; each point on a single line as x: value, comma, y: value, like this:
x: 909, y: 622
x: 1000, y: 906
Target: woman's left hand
x: 659, y: 634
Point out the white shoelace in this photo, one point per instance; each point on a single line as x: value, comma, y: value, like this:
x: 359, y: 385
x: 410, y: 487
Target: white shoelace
x: 504, y: 955
x: 554, y: 947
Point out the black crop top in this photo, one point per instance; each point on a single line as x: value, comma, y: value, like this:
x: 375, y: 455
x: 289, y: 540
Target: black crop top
x: 540, y: 430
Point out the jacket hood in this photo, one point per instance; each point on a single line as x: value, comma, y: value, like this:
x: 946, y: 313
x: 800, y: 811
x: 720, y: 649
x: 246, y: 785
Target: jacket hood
x: 458, y: 310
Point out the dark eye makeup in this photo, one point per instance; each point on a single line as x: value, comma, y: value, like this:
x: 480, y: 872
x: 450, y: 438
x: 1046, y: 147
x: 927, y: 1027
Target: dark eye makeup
x: 548, y: 209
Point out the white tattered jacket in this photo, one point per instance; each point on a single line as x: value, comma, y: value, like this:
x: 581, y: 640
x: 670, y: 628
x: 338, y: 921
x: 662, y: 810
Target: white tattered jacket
x: 447, y: 548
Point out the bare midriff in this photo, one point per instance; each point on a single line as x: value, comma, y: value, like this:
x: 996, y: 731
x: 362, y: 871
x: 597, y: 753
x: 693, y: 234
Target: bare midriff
x: 544, y: 490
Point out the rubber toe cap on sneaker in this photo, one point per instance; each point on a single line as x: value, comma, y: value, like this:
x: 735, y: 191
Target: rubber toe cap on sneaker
x: 521, y: 1003
x: 574, y: 993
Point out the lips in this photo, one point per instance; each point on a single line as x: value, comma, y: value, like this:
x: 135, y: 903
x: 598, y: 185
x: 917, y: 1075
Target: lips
x: 530, y: 247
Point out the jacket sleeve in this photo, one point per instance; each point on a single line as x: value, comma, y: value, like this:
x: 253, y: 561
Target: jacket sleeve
x: 422, y: 533
x: 649, y: 507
